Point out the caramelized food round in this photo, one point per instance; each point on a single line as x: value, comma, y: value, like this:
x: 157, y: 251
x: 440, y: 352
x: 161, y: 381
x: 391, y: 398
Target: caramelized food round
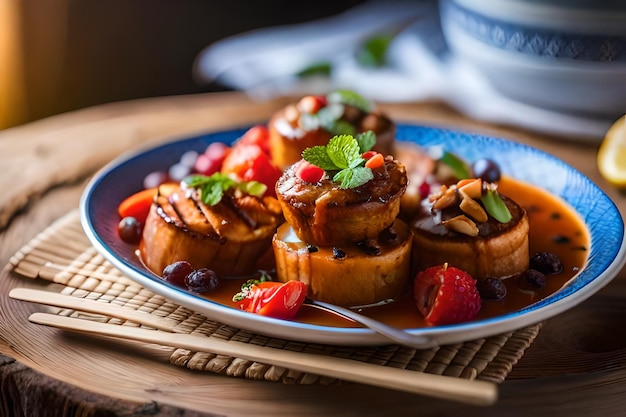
x: 497, y: 250
x: 325, y: 214
x: 350, y: 275
x: 229, y: 237
x: 289, y: 135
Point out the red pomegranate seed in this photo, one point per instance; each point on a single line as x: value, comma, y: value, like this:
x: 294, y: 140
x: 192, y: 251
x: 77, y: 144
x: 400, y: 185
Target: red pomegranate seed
x: 308, y: 172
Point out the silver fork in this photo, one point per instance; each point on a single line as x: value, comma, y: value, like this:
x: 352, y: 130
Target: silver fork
x: 393, y: 333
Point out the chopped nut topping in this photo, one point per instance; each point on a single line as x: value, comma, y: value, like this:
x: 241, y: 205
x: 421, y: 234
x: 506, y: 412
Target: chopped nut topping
x: 465, y: 193
x: 472, y: 187
x: 462, y: 224
x: 471, y: 207
x: 447, y: 199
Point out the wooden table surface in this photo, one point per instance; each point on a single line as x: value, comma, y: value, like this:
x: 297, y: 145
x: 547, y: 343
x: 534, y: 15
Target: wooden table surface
x: 576, y: 366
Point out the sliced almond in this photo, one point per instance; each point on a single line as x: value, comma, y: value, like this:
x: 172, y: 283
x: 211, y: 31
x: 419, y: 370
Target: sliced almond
x: 472, y: 187
x: 473, y: 209
x: 434, y: 196
x: 447, y: 199
x: 462, y: 224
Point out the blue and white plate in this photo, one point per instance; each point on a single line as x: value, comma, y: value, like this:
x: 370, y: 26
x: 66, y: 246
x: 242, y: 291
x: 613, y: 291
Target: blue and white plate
x: 124, y: 176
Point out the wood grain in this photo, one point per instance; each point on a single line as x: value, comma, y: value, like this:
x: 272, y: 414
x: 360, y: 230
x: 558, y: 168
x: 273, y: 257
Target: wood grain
x: 576, y: 367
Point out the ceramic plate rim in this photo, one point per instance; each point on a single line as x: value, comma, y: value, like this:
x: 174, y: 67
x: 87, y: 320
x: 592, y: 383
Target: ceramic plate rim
x: 564, y: 299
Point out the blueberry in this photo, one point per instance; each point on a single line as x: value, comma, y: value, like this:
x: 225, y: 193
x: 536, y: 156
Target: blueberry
x: 531, y: 280
x: 176, y: 273
x: 487, y: 170
x: 546, y: 262
x: 202, y: 280
x: 129, y: 229
x: 491, y: 288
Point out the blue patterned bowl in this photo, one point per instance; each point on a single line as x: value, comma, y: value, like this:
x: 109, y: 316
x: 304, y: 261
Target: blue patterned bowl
x: 568, y: 56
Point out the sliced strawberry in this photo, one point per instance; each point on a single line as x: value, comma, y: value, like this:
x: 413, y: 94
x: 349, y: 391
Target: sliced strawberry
x: 248, y: 162
x: 446, y: 295
x: 273, y: 299
x: 257, y: 135
x: 311, y: 104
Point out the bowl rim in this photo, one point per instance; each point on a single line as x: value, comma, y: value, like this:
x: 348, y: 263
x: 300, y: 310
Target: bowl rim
x: 585, y: 21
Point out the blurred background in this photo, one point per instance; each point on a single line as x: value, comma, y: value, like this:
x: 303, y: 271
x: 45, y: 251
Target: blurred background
x: 61, y: 55
x: 556, y: 66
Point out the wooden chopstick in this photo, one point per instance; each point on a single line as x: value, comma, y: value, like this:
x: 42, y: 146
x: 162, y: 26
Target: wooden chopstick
x: 92, y: 306
x: 456, y: 389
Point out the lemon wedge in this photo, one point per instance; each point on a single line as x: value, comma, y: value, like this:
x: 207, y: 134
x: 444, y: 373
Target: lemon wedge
x: 611, y: 156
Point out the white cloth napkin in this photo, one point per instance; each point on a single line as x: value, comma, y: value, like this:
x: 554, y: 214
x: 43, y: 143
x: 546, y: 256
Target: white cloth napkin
x: 264, y: 63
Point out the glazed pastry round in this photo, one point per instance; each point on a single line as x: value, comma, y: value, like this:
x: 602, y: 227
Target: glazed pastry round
x: 324, y: 214
x: 352, y: 275
x: 230, y: 238
x: 499, y: 250
x: 288, y: 139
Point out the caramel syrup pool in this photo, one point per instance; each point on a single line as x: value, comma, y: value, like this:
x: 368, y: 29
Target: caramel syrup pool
x: 554, y: 227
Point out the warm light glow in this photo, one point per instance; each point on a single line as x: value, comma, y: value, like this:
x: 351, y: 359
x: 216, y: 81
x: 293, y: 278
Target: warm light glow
x: 12, y: 92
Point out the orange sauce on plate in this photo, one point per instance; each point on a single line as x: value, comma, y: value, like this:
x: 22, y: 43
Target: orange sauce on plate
x: 554, y: 227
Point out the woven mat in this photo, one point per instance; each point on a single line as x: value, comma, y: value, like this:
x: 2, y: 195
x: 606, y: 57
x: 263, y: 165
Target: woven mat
x: 63, y: 254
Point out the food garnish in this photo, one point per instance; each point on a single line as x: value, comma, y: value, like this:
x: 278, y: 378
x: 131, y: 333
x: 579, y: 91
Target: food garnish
x: 343, y: 157
x: 373, y: 52
x: 270, y: 298
x: 326, y: 111
x: 212, y: 188
x: 249, y: 162
x: 446, y: 295
x: 129, y: 229
x: 137, y: 205
x: 459, y: 167
x: 182, y: 274
x: 494, y: 204
x: 465, y: 195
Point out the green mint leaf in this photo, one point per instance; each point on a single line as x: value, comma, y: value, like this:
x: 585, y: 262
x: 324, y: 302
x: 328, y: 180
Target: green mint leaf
x: 357, y: 163
x: 212, y: 193
x: 352, y: 178
x: 460, y: 168
x: 329, y: 118
x: 343, y: 150
x: 351, y: 98
x: 246, y: 287
x: 253, y: 188
x: 329, y: 114
x: 212, y: 187
x: 342, y: 154
x: 495, y: 206
x: 374, y: 51
x: 318, y: 68
x: 318, y: 155
x: 340, y: 127
x: 196, y: 180
x: 366, y: 140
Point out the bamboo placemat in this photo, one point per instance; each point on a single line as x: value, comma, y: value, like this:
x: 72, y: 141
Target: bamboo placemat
x: 62, y: 254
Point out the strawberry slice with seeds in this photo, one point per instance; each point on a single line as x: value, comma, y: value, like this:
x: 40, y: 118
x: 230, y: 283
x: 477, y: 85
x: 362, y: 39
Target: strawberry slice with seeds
x: 446, y: 295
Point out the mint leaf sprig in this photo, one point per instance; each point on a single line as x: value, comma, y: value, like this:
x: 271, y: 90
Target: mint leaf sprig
x: 342, y: 159
x: 212, y: 188
x: 329, y: 116
x: 351, y: 98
